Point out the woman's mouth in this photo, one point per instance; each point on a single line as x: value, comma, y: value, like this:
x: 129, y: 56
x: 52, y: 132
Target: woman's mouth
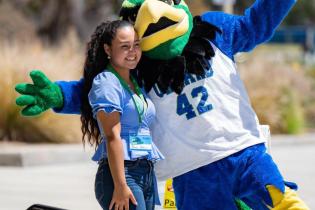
x: 131, y: 58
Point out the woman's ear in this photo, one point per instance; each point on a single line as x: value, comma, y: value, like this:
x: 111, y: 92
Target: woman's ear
x: 107, y: 49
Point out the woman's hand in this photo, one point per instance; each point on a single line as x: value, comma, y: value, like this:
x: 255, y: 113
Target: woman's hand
x: 121, y: 197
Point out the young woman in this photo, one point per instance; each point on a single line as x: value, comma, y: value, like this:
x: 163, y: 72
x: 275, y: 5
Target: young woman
x: 116, y: 115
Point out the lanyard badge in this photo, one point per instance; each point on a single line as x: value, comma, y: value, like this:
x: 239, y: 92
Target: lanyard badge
x: 141, y: 141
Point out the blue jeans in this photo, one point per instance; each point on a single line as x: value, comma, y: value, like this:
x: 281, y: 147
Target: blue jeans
x: 140, y: 179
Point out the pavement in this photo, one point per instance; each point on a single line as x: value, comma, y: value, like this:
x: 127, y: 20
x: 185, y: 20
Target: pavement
x: 63, y: 175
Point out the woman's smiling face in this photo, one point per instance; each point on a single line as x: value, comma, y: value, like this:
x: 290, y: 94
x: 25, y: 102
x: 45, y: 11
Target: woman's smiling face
x: 125, y: 49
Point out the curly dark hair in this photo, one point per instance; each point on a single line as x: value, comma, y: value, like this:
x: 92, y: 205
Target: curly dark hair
x: 95, y: 62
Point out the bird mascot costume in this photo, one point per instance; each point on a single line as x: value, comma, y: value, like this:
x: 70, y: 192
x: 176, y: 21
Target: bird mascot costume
x: 205, y: 126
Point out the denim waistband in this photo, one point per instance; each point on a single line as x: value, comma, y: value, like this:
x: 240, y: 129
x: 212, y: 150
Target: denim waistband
x: 138, y: 162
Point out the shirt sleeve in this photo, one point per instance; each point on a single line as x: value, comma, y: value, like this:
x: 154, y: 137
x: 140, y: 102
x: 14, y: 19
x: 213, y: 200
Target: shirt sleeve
x: 106, y: 94
x: 255, y: 26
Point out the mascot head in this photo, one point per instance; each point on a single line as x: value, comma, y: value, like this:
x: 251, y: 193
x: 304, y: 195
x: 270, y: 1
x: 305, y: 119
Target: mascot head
x: 164, y: 26
x: 173, y: 43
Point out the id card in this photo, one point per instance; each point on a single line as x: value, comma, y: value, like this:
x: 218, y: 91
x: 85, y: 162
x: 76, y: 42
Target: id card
x: 141, y: 141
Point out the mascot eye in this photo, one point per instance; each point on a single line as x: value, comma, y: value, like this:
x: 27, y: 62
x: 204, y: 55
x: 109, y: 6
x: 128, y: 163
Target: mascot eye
x: 132, y: 18
x: 169, y: 2
x: 129, y: 14
x: 177, y: 2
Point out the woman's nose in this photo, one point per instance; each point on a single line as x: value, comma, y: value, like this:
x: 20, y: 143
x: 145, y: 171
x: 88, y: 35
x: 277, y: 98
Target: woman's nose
x: 132, y: 48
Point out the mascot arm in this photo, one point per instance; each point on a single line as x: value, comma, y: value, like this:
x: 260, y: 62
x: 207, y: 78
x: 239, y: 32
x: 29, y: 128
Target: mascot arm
x: 257, y: 25
x: 71, y: 97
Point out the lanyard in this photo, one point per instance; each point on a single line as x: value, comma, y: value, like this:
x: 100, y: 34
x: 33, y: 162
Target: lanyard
x: 137, y: 90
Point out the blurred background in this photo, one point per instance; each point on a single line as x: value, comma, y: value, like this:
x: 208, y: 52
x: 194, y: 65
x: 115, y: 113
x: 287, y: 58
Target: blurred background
x: 50, y: 35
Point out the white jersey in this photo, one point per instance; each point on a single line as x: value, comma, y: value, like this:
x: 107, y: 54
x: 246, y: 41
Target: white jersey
x: 211, y: 119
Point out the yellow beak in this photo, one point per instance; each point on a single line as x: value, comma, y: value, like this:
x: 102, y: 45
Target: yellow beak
x: 150, y: 12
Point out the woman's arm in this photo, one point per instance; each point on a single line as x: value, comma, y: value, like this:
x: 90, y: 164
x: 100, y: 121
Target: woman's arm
x: 110, y: 123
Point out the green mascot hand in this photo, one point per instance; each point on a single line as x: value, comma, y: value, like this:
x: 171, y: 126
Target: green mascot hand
x: 40, y: 96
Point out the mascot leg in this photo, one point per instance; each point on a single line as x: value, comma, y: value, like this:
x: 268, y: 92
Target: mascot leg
x: 204, y: 188
x: 262, y: 186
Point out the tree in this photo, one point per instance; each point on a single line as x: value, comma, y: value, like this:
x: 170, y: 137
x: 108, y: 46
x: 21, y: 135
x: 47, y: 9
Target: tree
x: 302, y: 14
x: 53, y: 18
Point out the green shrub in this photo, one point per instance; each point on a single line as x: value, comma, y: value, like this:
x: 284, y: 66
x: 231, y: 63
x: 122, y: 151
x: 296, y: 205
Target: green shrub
x: 279, y: 87
x: 17, y: 60
x: 293, y: 116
